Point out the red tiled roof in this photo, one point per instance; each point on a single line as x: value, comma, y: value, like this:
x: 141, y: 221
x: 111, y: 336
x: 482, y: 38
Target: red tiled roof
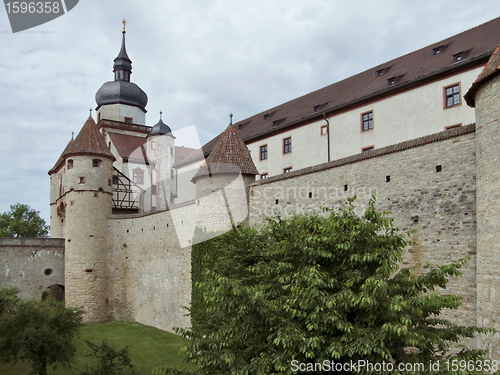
x: 127, y: 145
x: 492, y: 68
x: 90, y: 142
x: 230, y: 155
x: 411, y: 70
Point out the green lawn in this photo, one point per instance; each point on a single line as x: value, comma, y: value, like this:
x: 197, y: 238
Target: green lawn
x: 149, y: 348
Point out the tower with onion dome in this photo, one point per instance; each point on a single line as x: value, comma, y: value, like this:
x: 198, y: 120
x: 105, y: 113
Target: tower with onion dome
x: 120, y: 99
x: 160, y: 151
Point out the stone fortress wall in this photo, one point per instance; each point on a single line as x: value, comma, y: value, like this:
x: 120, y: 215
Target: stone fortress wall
x: 31, y: 264
x: 437, y: 186
x: 427, y: 184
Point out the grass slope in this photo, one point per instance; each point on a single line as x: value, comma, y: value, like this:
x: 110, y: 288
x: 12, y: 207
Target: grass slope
x: 148, y: 347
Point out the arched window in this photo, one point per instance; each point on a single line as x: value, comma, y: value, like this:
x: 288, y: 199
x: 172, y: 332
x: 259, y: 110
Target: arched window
x: 70, y: 163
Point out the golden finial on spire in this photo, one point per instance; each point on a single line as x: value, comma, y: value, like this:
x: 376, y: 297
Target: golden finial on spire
x: 124, y: 23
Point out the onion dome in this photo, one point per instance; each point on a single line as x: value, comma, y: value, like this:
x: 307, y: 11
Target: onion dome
x: 121, y: 90
x: 160, y: 128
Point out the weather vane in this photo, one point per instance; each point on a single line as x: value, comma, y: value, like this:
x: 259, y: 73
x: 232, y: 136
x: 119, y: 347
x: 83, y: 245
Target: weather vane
x: 231, y: 118
x: 161, y: 112
x: 124, y: 23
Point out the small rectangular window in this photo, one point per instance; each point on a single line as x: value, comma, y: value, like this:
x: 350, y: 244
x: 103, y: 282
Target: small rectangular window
x: 128, y: 120
x: 366, y: 149
x: 263, y: 152
x: 324, y: 130
x: 287, y: 145
x: 287, y: 170
x: 138, y: 177
x: 367, y: 121
x: 452, y: 95
x: 153, y: 189
x: 263, y: 176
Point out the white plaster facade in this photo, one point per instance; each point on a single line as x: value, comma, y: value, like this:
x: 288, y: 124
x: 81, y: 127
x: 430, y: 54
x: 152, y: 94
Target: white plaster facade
x: 411, y: 114
x: 121, y: 112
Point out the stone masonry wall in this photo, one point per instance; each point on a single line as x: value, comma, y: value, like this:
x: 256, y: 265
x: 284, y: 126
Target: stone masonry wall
x: 149, y: 271
x: 429, y: 189
x: 488, y: 206
x: 428, y: 184
x: 31, y: 264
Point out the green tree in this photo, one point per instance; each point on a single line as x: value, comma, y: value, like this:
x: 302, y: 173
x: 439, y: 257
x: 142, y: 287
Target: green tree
x: 22, y: 221
x: 320, y: 288
x: 36, y: 332
x: 110, y: 361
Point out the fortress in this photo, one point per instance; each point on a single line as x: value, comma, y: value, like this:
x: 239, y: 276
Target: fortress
x: 126, y: 262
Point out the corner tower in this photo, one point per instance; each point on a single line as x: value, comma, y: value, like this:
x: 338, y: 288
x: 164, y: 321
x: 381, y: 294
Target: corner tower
x: 87, y: 202
x: 222, y: 183
x: 122, y: 100
x: 484, y: 95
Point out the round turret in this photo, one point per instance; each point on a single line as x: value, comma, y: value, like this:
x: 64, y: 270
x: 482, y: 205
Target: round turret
x: 87, y: 203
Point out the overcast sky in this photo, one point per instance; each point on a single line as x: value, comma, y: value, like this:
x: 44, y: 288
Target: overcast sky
x: 197, y: 60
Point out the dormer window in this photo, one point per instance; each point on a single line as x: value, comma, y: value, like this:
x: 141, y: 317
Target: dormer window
x: 460, y: 56
x: 241, y: 126
x: 278, y: 122
x: 319, y: 107
x: 269, y: 115
x: 381, y: 72
x: 439, y: 50
x: 392, y: 81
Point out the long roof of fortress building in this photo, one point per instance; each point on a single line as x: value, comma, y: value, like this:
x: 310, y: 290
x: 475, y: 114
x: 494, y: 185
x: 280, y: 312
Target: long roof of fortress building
x: 466, y: 50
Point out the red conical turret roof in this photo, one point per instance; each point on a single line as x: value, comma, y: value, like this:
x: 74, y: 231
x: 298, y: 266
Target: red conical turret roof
x: 90, y: 142
x: 230, y: 155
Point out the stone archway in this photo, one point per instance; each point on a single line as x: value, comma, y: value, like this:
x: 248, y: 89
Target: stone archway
x: 56, y: 291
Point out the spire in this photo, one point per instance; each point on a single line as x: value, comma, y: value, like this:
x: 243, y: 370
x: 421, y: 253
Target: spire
x: 123, y: 65
x: 230, y: 155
